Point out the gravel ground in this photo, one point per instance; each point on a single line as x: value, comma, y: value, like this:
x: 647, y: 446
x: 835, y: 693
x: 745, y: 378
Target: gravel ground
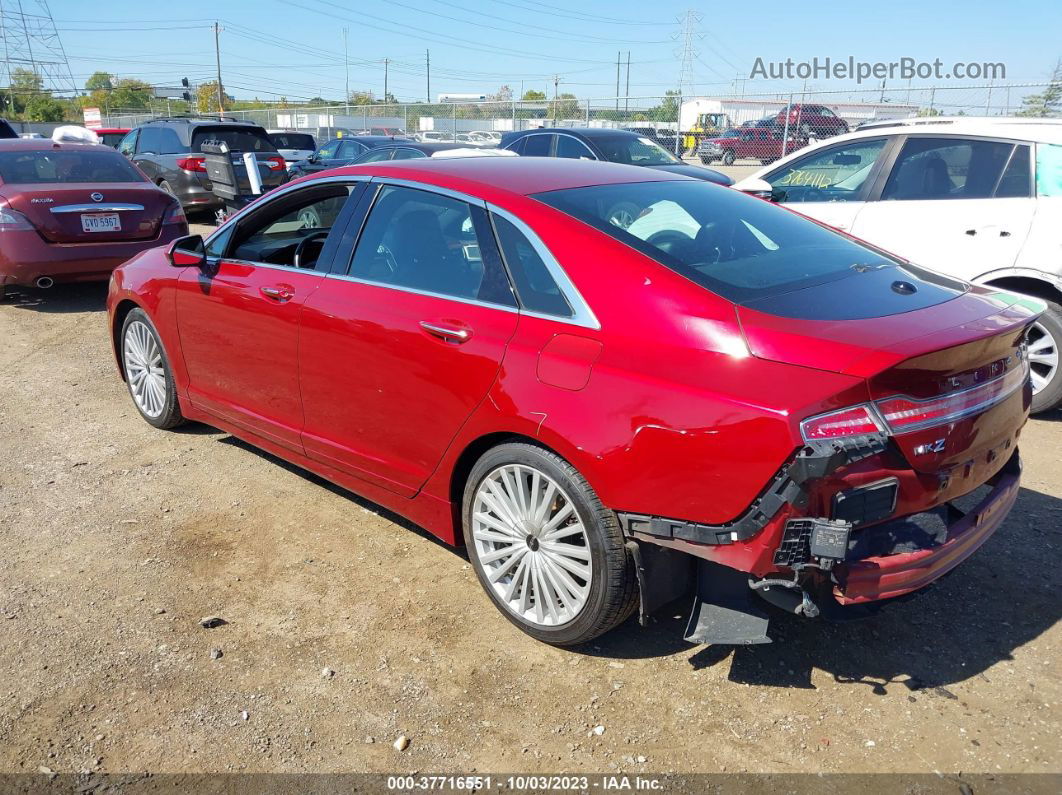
x: 346, y: 627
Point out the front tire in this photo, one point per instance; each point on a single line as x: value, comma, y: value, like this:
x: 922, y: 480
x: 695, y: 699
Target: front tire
x: 728, y: 157
x: 547, y: 552
x: 148, y: 374
x: 1045, y: 341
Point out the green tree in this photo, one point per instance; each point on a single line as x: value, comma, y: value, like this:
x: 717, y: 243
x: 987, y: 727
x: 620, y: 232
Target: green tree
x: 361, y: 98
x: 99, y: 81
x: 134, y: 94
x: 42, y: 107
x: 25, y: 81
x: 206, y: 98
x: 667, y: 110
x: 533, y: 96
x: 565, y: 106
x: 1047, y: 103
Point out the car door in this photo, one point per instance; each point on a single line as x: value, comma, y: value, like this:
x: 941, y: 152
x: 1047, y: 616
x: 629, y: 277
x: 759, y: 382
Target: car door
x: 959, y: 205
x: 400, y: 347
x: 830, y: 184
x: 147, y: 153
x: 238, y: 318
x: 326, y: 157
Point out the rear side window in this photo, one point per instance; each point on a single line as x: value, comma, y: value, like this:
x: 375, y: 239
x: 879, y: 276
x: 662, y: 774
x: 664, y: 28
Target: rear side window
x: 534, y: 284
x: 572, y: 148
x: 6, y: 130
x: 238, y: 139
x: 150, y: 141
x: 408, y: 154
x: 350, y: 149
x: 1015, y: 182
x: 537, y: 145
x: 170, y: 142
x: 375, y: 156
x: 65, y: 165
x: 947, y: 168
x: 1048, y: 170
x: 423, y: 241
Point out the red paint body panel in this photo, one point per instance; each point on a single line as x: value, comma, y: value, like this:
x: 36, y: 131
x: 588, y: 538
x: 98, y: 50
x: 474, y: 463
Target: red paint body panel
x: 679, y: 404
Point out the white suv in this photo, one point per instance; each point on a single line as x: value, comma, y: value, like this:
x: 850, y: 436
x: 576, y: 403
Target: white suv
x: 975, y: 198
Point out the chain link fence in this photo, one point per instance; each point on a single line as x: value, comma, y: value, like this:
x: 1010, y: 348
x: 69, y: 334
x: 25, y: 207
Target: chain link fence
x: 768, y: 125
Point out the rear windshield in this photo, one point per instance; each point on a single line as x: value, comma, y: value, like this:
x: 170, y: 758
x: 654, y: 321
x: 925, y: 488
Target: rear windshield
x: 66, y: 165
x: 735, y: 245
x: 111, y: 139
x: 239, y: 139
x: 292, y: 141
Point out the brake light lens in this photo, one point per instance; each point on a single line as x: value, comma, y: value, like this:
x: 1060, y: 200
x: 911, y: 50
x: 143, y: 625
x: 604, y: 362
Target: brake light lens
x: 904, y: 414
x: 192, y: 164
x: 174, y: 214
x: 898, y: 415
x: 852, y: 421
x: 11, y: 220
x: 276, y: 163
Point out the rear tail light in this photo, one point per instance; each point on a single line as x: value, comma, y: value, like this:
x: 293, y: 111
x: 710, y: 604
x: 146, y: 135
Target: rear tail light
x: 852, y: 421
x: 276, y: 163
x: 898, y: 415
x: 192, y: 164
x: 11, y: 220
x: 174, y: 214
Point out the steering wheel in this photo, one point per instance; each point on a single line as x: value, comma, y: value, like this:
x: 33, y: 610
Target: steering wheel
x: 672, y: 242
x: 300, y: 250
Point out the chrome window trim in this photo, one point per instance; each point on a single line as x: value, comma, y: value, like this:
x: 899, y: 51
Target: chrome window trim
x: 408, y: 183
x: 427, y: 293
x: 97, y: 208
x: 583, y: 315
x: 582, y: 143
x: 284, y: 190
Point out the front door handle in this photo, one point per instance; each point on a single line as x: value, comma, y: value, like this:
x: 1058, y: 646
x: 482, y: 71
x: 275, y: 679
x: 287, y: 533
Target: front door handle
x: 279, y: 294
x: 447, y: 333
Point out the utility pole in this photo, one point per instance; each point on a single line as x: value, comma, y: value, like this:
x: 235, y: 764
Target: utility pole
x: 386, y: 62
x: 217, y: 53
x: 627, y: 93
x: 556, y: 82
x: 427, y: 65
x: 346, y: 70
x: 618, y: 54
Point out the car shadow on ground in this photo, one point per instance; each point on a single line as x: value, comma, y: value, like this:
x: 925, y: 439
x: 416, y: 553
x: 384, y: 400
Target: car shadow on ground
x: 994, y: 603
x: 60, y: 299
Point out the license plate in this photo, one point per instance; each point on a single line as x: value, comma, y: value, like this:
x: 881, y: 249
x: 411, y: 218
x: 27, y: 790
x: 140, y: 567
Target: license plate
x: 101, y: 222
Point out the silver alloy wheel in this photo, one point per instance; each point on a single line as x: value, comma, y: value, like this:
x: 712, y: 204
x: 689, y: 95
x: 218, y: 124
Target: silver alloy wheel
x: 1043, y: 357
x: 143, y: 369
x: 532, y: 546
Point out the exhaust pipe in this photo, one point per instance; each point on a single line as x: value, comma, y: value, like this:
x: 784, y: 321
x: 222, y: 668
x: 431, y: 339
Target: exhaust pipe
x: 44, y: 282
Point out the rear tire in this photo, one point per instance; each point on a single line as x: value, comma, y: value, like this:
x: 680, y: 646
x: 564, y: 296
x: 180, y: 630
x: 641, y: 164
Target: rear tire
x: 167, y: 187
x: 148, y: 374
x: 1045, y: 358
x: 536, y: 505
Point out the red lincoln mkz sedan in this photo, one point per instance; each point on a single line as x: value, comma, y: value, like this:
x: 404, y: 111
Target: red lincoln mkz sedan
x: 616, y: 386
x: 75, y: 211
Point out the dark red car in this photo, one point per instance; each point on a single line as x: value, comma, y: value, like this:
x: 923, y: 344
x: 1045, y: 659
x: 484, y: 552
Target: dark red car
x: 713, y: 394
x: 111, y: 136
x: 811, y: 120
x: 74, y: 212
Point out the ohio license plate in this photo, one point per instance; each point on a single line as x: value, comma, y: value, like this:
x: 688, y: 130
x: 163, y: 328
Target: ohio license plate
x: 101, y: 222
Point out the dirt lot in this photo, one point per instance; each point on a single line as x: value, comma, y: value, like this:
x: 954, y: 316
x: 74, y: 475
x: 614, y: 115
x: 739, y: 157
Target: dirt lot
x: 118, y: 538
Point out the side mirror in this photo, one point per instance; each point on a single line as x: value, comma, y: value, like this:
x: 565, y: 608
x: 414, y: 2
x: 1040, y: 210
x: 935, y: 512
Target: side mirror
x: 187, y: 252
x: 755, y: 187
x: 313, y: 158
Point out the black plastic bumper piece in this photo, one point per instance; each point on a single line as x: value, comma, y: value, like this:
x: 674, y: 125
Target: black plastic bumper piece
x: 724, y: 610
x: 815, y: 460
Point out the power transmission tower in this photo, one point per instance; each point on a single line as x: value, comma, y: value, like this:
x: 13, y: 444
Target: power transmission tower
x: 688, y: 53
x: 29, y: 40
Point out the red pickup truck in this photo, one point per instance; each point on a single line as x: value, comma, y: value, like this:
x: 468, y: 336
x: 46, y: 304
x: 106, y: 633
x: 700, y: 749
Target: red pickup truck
x: 759, y: 143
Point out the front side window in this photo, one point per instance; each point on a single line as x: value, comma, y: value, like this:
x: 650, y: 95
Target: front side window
x: 735, y: 245
x: 348, y: 150
x: 427, y: 242
x: 28, y: 167
x: 1048, y: 170
x: 946, y: 168
x: 639, y: 151
x: 292, y: 230
x: 837, y: 173
x: 328, y: 151
x: 128, y: 144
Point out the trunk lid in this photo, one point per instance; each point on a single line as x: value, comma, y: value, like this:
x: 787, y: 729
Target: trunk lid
x: 950, y: 379
x: 115, y: 211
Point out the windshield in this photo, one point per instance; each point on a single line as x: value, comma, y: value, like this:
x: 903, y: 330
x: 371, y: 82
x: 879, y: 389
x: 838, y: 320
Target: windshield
x: 293, y: 141
x: 64, y: 165
x: 738, y: 246
x: 239, y: 139
x: 638, y: 151
x: 731, y: 134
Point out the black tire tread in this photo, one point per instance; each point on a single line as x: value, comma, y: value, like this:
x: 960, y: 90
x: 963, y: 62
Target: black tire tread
x: 171, y: 417
x: 1051, y: 397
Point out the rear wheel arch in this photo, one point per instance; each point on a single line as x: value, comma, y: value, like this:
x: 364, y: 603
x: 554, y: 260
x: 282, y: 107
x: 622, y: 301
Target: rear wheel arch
x: 1027, y: 285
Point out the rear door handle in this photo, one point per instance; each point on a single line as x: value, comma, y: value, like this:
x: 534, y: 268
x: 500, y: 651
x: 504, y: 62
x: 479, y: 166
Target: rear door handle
x: 279, y: 294
x: 447, y: 333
